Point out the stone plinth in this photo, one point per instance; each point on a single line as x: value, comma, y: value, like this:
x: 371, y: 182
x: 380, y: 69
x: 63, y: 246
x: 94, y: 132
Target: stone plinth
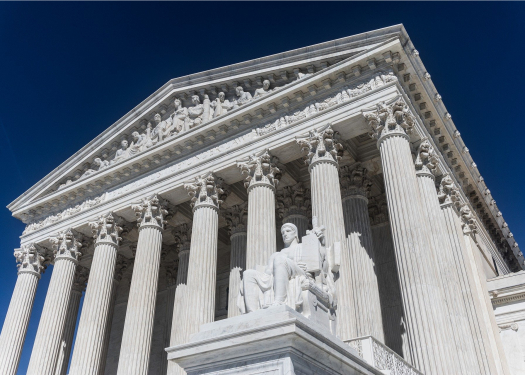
x: 277, y: 340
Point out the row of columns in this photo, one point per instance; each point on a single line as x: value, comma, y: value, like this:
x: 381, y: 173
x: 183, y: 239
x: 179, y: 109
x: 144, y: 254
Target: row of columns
x: 420, y: 241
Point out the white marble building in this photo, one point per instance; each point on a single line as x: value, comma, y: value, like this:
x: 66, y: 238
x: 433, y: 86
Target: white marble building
x: 170, y: 223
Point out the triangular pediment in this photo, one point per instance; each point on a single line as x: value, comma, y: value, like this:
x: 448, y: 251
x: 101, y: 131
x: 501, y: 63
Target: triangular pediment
x: 157, y: 132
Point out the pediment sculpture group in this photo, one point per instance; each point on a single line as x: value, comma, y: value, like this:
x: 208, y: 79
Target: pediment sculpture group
x: 181, y: 120
x: 185, y: 118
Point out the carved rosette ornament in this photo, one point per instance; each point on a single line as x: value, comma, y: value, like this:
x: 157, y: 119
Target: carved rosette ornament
x: 448, y: 192
x: 261, y: 170
x: 66, y: 246
x: 390, y: 119
x: 355, y: 181
x: 294, y: 200
x: 206, y: 191
x: 30, y: 259
x: 150, y: 212
x: 322, y: 146
x: 237, y: 218
x: 105, y: 230
x: 426, y: 159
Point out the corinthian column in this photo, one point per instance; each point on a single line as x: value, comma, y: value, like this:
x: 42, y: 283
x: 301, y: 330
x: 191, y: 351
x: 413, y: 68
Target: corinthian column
x: 237, y: 218
x: 182, y: 235
x: 89, y: 345
x: 294, y: 206
x: 473, y: 331
x: 30, y: 263
x: 324, y: 153
x: 138, y: 326
x: 48, y: 340
x: 261, y: 182
x: 355, y: 188
x: 79, y: 285
x: 420, y: 287
x: 206, y: 192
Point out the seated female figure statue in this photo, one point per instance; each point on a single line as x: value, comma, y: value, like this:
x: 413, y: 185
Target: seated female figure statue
x: 285, y: 275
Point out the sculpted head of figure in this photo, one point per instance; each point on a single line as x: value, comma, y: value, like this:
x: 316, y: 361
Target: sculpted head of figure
x: 124, y: 144
x: 97, y: 162
x: 195, y: 99
x: 289, y: 233
x: 157, y: 118
x: 239, y: 91
x: 221, y: 96
x: 177, y: 103
x: 266, y: 84
x: 135, y: 136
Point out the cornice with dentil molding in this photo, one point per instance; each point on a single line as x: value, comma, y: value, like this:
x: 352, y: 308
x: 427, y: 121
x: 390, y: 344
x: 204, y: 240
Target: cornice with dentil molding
x: 322, y: 145
x: 308, y: 110
x: 261, y: 169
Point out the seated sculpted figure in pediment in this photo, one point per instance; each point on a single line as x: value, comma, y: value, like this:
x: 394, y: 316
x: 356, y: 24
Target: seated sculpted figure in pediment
x: 300, y: 276
x: 243, y: 97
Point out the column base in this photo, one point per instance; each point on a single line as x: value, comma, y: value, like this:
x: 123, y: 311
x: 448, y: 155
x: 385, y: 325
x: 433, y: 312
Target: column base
x: 276, y: 340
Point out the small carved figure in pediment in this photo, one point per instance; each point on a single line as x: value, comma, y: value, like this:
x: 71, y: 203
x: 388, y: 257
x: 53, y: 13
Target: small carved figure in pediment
x: 163, y: 129
x: 121, y: 153
x: 195, y: 113
x: 140, y: 142
x: 242, y: 97
x: 99, y: 164
x: 179, y: 117
x: 221, y: 105
x: 265, y: 90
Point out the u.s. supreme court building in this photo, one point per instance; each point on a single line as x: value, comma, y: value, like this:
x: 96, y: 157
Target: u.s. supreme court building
x: 310, y: 212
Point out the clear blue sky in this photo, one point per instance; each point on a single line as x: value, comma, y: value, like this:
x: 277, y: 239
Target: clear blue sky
x: 69, y: 70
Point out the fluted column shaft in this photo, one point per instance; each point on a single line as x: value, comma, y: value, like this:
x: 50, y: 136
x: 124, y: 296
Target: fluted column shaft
x: 170, y: 305
x: 138, y: 326
x: 237, y: 265
x: 327, y: 207
x: 262, y: 180
x: 367, y: 306
x: 179, y: 325
x: 107, y: 335
x: 69, y: 331
x: 489, y: 321
x: 300, y: 221
x: 17, y: 318
x: 46, y: 347
x: 477, y: 330
x: 261, y: 240
x: 324, y: 152
x: 416, y: 266
x: 202, y: 267
x: 460, y: 356
x: 89, y: 345
x: 182, y: 271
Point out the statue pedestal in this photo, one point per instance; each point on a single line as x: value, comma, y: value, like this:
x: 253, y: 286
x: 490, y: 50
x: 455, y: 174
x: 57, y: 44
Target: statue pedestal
x: 276, y: 341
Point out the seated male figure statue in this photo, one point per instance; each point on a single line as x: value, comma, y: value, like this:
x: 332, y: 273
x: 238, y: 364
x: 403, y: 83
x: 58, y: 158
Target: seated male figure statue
x: 293, y: 276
